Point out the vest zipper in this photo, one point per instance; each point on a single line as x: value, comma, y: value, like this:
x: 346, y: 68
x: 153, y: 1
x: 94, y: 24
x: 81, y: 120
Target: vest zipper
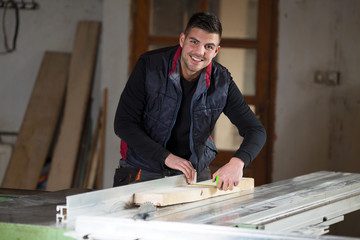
x: 173, y: 121
x: 192, y: 126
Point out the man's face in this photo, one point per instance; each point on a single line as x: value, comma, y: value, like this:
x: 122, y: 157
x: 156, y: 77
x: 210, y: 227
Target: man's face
x: 198, y: 49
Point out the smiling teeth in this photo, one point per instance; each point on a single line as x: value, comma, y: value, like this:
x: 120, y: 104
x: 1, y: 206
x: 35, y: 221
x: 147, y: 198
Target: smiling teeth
x: 196, y: 59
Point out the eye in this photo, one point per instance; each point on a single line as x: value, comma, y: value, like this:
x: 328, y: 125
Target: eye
x: 209, y: 47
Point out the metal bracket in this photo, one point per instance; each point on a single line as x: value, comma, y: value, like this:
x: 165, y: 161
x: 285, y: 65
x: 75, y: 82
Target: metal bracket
x: 61, y: 214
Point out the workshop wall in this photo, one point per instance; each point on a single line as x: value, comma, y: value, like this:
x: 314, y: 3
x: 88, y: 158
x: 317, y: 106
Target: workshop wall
x: 317, y: 124
x: 114, y: 74
x: 51, y: 27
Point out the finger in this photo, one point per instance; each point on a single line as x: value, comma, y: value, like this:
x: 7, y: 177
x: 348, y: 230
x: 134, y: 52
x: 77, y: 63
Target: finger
x: 236, y: 183
x: 189, y: 168
x: 219, y: 183
x: 184, y: 171
x: 186, y: 165
x: 215, y: 175
x: 225, y: 185
x: 188, y: 175
x: 189, y: 181
x: 189, y: 171
x: 231, y: 186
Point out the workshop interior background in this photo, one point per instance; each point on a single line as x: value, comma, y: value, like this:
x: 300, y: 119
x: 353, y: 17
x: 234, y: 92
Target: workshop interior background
x: 316, y: 125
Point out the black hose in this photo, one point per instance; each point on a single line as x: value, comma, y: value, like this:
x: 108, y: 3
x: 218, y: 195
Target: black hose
x: 15, y: 7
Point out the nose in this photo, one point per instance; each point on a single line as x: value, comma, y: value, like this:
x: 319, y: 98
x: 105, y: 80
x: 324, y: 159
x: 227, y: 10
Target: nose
x: 200, y: 50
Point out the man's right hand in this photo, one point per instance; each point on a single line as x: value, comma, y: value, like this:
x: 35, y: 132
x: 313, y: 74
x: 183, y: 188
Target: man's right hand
x: 182, y: 165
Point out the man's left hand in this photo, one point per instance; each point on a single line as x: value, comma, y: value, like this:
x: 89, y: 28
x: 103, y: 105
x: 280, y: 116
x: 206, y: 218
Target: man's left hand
x: 229, y: 174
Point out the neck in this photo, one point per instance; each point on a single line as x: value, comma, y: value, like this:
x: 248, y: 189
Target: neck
x: 189, y: 76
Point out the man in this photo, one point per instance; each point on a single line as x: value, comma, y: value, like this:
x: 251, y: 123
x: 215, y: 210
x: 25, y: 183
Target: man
x: 169, y: 107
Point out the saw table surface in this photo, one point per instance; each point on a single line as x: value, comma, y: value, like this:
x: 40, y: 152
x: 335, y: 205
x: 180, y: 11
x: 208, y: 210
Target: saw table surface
x: 30, y: 214
x: 32, y: 206
x: 305, y: 205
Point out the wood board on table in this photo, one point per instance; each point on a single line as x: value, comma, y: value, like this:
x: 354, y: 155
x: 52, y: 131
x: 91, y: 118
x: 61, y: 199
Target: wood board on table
x: 188, y: 193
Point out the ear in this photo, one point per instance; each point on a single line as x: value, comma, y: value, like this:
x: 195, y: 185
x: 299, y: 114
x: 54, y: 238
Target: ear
x: 182, y: 39
x: 217, y: 50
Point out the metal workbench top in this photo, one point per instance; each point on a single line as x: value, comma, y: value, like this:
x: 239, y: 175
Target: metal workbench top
x: 307, y: 204
x: 304, y: 205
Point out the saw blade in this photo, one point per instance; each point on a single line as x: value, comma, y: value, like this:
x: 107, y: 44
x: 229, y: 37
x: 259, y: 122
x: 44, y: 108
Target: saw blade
x: 145, y: 210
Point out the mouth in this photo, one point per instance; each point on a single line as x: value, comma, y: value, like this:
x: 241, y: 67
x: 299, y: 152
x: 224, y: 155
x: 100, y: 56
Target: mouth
x: 196, y: 59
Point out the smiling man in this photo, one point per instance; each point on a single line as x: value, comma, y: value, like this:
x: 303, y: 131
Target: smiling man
x: 169, y: 108
x: 198, y: 49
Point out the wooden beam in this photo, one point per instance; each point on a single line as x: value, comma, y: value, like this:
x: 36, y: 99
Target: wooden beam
x: 92, y: 158
x: 39, y: 124
x: 188, y: 193
x: 82, y: 67
x: 99, y: 174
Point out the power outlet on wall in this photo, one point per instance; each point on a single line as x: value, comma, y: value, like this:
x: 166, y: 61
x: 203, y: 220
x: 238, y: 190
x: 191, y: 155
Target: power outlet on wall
x: 330, y: 78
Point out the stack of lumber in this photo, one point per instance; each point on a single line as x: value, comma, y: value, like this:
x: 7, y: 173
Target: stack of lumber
x: 56, y: 123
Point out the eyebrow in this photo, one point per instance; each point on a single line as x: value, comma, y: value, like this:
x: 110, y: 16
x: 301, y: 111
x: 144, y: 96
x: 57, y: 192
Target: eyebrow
x: 208, y: 44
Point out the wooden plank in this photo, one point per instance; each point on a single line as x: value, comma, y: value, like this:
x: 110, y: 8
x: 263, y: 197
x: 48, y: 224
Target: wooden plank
x: 99, y: 174
x: 92, y: 156
x: 93, y: 168
x: 84, y: 150
x: 81, y: 72
x: 39, y: 124
x: 5, y: 154
x: 188, y: 193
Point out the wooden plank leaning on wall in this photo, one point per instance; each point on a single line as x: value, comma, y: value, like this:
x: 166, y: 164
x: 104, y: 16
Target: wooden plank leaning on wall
x: 79, y: 87
x: 39, y: 124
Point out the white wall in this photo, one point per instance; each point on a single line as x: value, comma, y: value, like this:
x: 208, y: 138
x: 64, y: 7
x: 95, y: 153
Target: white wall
x: 317, y: 126
x: 114, y: 74
x: 51, y: 27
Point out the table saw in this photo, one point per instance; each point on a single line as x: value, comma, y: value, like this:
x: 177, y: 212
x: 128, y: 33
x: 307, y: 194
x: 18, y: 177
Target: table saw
x: 299, y: 208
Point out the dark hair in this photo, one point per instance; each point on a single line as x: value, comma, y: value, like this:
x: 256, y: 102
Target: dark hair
x: 205, y: 21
